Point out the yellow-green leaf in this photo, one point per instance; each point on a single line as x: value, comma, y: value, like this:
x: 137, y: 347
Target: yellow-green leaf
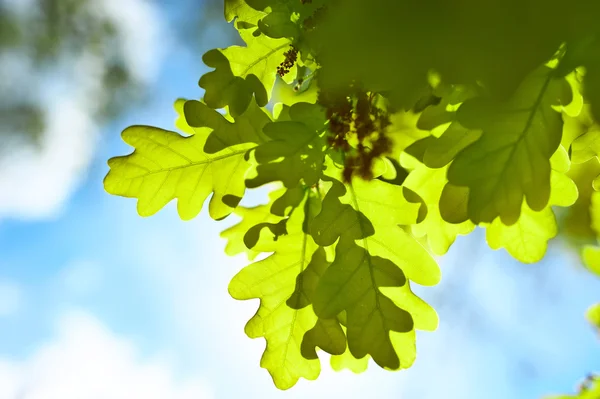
x: 527, y: 240
x: 273, y: 281
x: 429, y: 183
x: 367, y: 260
x: 166, y: 165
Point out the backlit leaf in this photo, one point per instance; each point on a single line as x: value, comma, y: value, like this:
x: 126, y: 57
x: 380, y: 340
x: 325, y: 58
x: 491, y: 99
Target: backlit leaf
x: 511, y: 160
x: 358, y: 273
x: 166, y: 165
x: 273, y: 280
x: 429, y: 183
x: 527, y: 240
x: 295, y: 152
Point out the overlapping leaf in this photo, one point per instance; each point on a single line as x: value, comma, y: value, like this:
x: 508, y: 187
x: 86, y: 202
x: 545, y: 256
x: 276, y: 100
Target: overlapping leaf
x: 166, y: 165
x: 251, y: 217
x: 585, y: 143
x: 527, y: 240
x: 403, y: 132
x: 327, y: 333
x: 367, y: 260
x: 476, y: 148
x: 429, y: 184
x: 511, y: 160
x: 247, y: 128
x: 243, y: 71
x: 274, y: 280
x: 241, y: 10
x: 295, y: 153
x: 224, y: 89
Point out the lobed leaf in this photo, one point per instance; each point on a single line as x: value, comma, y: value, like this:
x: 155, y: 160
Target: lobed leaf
x: 166, y: 166
x: 352, y: 284
x: 527, y: 240
x: 294, y: 154
x: 441, y: 233
x: 224, y: 89
x: 274, y: 280
x: 250, y: 217
x: 511, y: 160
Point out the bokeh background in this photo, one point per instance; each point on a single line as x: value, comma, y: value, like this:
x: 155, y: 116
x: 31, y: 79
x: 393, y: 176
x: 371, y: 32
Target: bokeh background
x: 99, y: 303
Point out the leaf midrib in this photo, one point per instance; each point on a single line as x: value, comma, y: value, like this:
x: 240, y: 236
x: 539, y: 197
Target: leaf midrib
x: 191, y: 164
x: 522, y: 135
x: 261, y: 58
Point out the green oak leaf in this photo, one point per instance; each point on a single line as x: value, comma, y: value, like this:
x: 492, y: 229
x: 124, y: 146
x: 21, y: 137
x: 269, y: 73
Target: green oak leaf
x: 250, y: 218
x: 287, y: 202
x: 287, y: 93
x: 307, y: 280
x: 453, y: 204
x: 441, y: 151
x: 527, y: 240
x: 587, y: 146
x: 166, y: 165
x: 281, y: 203
x: 384, y: 205
x: 511, y: 160
x: 296, y: 150
x: 585, y: 134
x: 273, y: 281
x: 444, y: 112
x: 338, y: 219
x: 353, y: 282
x: 241, y: 71
x: 246, y: 128
x: 180, y: 123
x: 260, y: 57
x: 327, y: 334
x: 242, y: 11
x: 575, y: 126
x: 403, y: 132
x: 222, y: 88
x: 429, y: 184
x: 278, y: 24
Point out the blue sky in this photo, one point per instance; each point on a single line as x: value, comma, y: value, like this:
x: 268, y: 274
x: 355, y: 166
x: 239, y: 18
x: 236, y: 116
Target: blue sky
x: 97, y: 302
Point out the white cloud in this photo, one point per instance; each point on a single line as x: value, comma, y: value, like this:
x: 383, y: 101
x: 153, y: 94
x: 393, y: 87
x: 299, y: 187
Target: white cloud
x: 11, y: 298
x: 86, y: 361
x: 143, y: 38
x: 35, y: 182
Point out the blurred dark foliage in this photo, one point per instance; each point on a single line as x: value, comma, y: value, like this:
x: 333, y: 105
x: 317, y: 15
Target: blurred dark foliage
x: 45, y: 32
